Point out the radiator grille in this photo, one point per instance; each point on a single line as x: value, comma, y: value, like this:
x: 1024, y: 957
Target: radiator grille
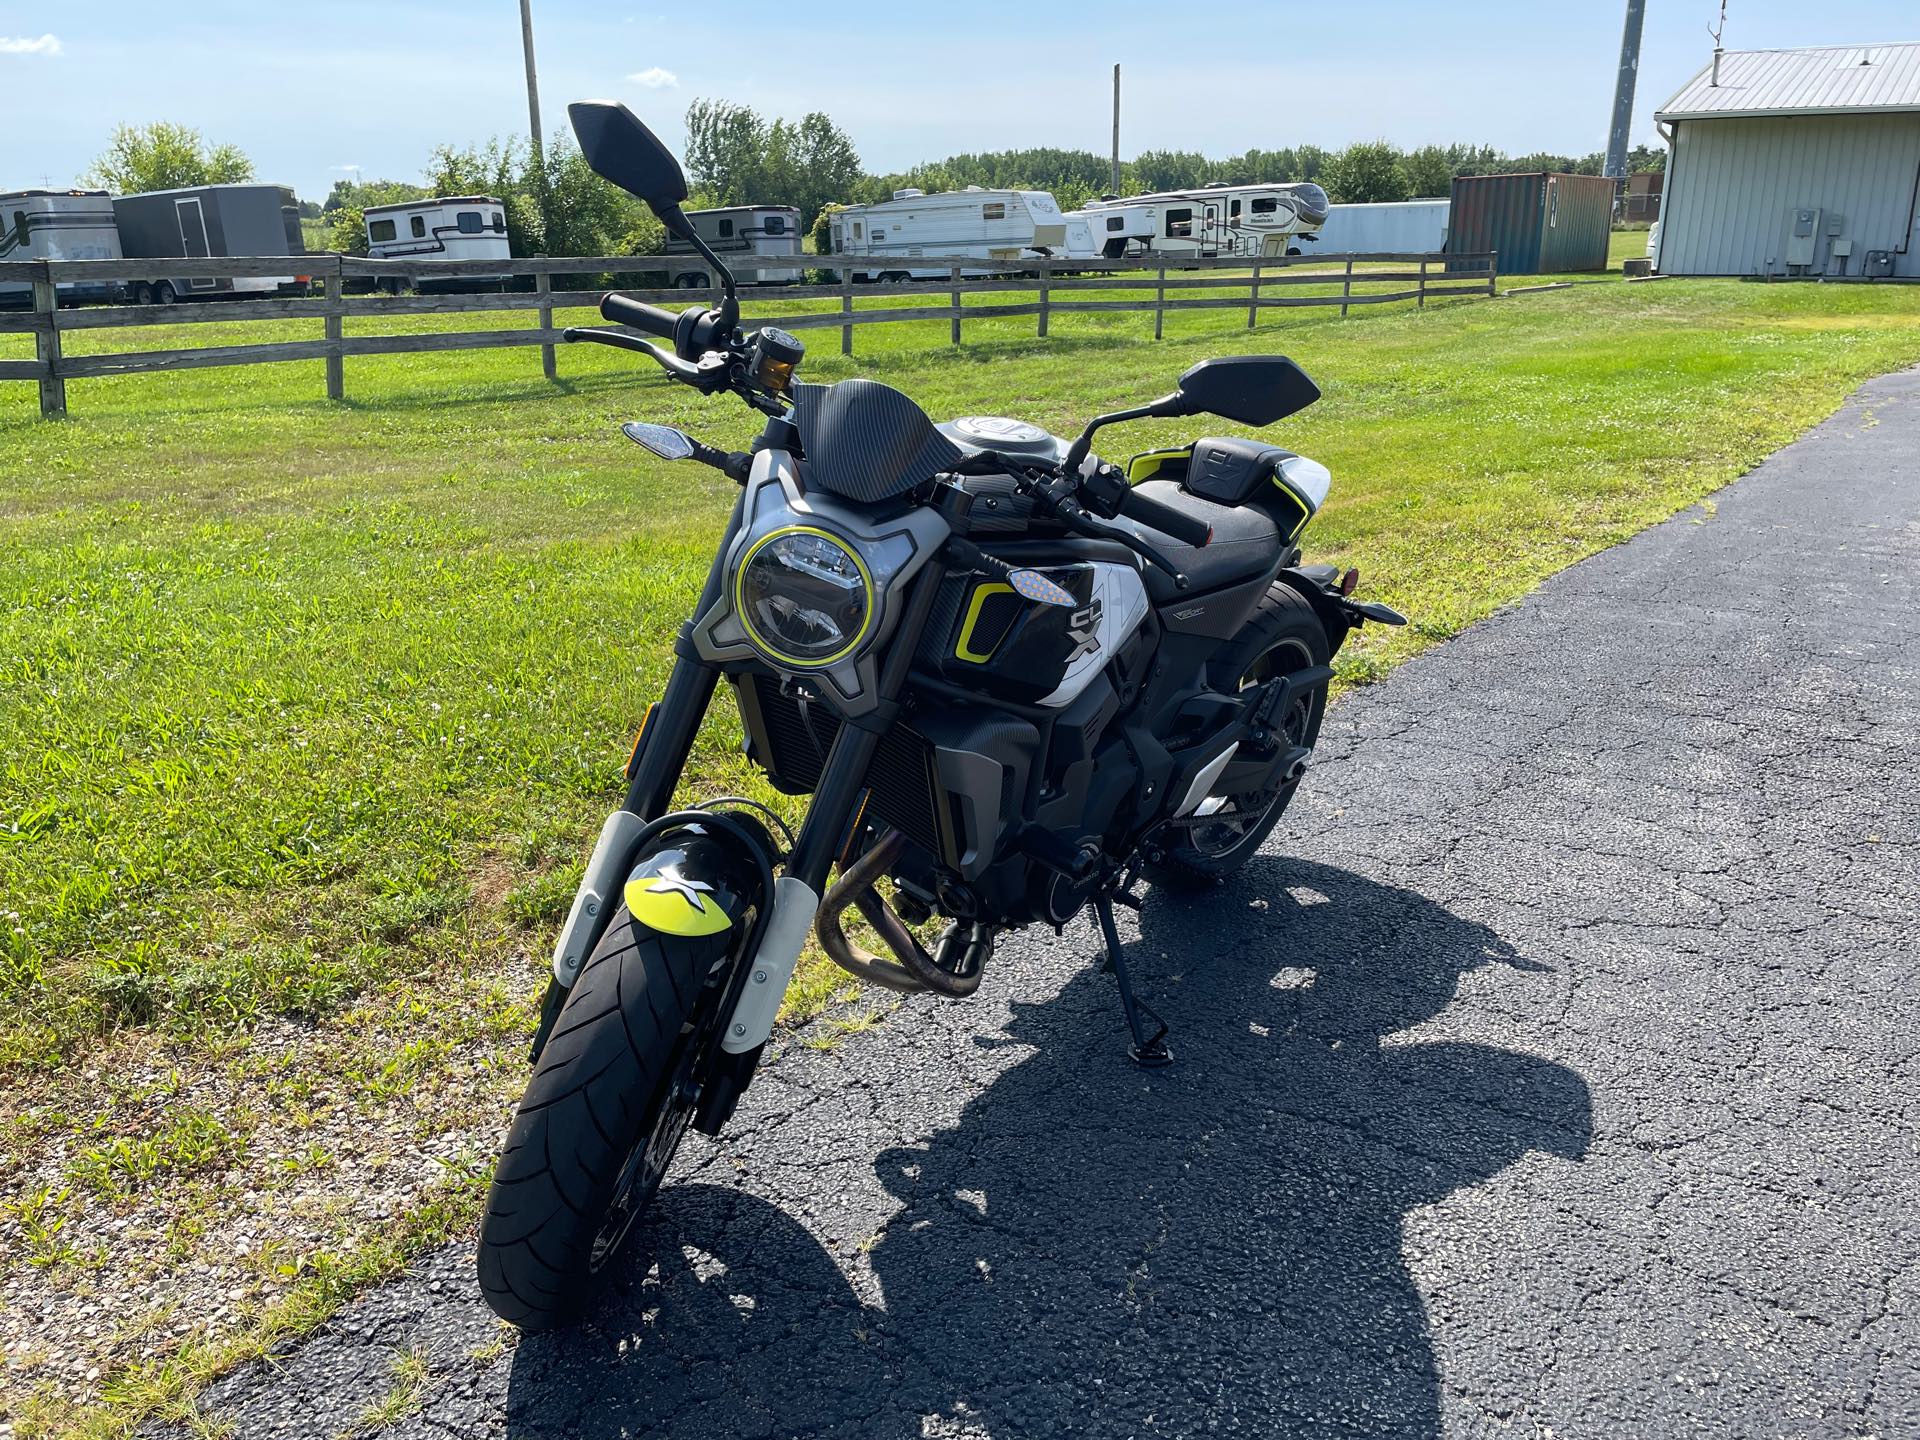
x: 901, y: 776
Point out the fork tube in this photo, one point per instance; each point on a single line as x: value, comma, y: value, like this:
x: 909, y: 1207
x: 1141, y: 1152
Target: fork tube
x: 670, y: 729
x: 844, y: 775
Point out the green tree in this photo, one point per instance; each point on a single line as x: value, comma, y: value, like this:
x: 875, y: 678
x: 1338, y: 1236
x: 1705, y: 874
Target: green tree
x: 726, y: 151
x: 165, y: 156
x: 1429, y: 171
x: 1365, y: 173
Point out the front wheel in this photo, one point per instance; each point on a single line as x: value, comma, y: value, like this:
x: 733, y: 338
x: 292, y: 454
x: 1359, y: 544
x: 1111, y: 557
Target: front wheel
x: 609, y: 1102
x: 1284, y: 636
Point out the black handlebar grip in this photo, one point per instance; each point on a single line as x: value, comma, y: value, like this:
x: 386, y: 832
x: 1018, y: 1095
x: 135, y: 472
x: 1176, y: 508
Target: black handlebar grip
x: 1158, y: 515
x: 632, y: 313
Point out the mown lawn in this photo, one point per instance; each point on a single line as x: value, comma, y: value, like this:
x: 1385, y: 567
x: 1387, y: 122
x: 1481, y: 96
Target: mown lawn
x: 308, y: 712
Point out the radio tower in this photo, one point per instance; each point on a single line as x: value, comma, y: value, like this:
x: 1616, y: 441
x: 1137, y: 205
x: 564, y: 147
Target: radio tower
x: 1623, y: 95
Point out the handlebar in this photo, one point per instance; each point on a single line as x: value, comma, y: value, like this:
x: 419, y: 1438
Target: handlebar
x: 1156, y: 515
x: 639, y: 316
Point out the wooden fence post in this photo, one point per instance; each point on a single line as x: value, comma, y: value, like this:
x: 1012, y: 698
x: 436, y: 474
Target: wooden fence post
x: 953, y: 273
x: 1493, y: 272
x: 1420, y: 301
x: 846, y: 308
x: 1046, y: 271
x: 1253, y: 296
x: 46, y: 347
x: 335, y: 330
x: 1160, y: 305
x: 543, y: 285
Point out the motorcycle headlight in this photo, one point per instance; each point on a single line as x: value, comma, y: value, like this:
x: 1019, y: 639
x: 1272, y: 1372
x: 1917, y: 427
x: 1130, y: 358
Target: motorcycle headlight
x: 804, y: 596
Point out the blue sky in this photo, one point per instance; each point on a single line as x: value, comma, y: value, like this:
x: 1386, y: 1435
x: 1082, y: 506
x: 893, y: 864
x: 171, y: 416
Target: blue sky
x: 309, y: 90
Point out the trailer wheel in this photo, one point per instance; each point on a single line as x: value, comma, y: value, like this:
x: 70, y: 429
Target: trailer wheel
x: 391, y: 285
x: 142, y: 293
x: 163, y: 293
x: 691, y: 280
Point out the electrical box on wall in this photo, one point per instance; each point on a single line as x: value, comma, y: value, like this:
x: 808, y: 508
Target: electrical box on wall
x: 1879, y: 264
x: 1801, y: 237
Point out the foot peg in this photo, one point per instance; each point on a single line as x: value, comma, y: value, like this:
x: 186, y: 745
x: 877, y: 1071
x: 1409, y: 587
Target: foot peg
x: 1148, y: 1051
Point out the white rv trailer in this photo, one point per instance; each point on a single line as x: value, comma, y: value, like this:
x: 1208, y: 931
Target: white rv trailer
x: 990, y: 224
x: 1401, y: 227
x: 447, y: 227
x: 1230, y: 219
x: 1116, y: 229
x: 736, y: 234
x: 58, y: 225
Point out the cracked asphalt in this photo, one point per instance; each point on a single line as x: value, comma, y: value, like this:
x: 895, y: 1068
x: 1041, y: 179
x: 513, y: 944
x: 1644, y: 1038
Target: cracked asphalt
x: 1554, y: 1073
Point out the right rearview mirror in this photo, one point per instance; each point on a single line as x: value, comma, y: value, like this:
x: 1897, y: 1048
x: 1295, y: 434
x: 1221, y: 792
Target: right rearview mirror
x: 619, y: 148
x: 663, y: 440
x: 1250, y: 389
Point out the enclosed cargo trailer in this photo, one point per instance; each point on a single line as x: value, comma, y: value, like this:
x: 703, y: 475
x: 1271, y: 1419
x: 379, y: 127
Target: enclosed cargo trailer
x: 202, y: 221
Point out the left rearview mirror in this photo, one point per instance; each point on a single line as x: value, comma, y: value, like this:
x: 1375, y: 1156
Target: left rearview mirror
x: 1250, y: 389
x: 619, y: 148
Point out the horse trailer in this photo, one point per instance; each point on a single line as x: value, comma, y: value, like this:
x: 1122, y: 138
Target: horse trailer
x: 58, y: 225
x: 446, y: 227
x: 736, y: 233
x: 205, y: 221
x: 985, y: 224
x: 1230, y: 219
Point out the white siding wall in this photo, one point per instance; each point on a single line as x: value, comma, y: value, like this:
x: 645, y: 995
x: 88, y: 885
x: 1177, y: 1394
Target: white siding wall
x: 1732, y: 185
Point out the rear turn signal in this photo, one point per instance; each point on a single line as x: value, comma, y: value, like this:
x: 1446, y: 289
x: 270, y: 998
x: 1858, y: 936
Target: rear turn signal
x: 1350, y: 581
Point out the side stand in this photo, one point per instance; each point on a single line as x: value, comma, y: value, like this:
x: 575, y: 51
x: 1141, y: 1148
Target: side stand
x: 1150, y: 1052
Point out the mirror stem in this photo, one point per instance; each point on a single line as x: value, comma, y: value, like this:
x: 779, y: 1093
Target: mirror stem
x: 1165, y: 405
x: 675, y: 219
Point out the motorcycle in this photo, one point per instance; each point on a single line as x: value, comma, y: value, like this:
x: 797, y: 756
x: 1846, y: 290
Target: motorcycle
x: 1014, y: 679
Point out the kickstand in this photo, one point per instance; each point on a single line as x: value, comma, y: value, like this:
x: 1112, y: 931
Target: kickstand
x: 1150, y: 1052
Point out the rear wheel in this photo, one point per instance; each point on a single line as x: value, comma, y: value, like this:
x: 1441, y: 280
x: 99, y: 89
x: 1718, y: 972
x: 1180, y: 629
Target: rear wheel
x: 609, y: 1103
x: 163, y: 293
x: 1284, y: 636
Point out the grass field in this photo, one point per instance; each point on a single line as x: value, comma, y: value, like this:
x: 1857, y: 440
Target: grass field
x: 309, y: 712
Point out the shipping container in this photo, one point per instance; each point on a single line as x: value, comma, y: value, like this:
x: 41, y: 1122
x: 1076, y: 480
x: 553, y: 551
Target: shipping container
x: 1537, y: 224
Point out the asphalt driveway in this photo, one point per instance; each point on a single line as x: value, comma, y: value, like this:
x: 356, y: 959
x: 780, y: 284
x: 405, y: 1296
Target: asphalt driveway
x: 1553, y: 1074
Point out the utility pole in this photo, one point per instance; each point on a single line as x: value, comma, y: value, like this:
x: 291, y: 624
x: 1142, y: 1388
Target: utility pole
x: 1116, y: 130
x: 1623, y: 98
x: 533, y: 115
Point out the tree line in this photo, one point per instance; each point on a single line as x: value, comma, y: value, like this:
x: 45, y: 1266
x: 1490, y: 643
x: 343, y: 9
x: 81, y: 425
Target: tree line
x: 734, y: 155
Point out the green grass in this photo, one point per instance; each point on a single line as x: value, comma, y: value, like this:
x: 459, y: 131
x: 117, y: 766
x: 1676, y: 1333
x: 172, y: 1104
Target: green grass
x: 311, y: 710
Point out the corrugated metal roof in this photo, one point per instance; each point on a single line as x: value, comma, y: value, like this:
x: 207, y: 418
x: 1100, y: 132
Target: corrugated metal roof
x: 1827, y: 80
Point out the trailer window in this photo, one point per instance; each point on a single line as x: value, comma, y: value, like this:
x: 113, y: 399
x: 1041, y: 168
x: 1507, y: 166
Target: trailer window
x: 418, y: 225
x: 499, y: 222
x: 1179, y: 224
x: 1233, y: 208
x: 726, y: 229
x: 856, y: 229
x: 380, y: 231
x: 1265, y: 205
x: 469, y: 221
x: 776, y: 225
x: 1116, y: 222
x: 19, y: 226
x: 996, y: 211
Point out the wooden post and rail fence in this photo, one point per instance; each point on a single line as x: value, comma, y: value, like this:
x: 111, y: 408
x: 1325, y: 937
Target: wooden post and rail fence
x: 331, y: 277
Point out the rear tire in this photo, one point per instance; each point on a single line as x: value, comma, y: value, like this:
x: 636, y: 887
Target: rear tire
x: 608, y: 1105
x: 1284, y: 635
x: 164, y: 293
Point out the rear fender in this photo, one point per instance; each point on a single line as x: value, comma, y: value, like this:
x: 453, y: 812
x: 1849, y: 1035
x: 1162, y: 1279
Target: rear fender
x: 1320, y: 586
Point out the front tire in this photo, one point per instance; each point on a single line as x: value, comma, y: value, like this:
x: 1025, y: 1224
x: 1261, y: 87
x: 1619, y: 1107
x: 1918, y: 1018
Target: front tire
x: 1284, y: 636
x: 607, y: 1106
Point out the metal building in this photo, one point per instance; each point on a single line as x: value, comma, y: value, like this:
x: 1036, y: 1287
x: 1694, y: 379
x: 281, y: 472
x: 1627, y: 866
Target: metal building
x: 1794, y: 162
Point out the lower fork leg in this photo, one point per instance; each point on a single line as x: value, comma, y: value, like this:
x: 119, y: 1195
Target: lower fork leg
x: 1148, y: 1051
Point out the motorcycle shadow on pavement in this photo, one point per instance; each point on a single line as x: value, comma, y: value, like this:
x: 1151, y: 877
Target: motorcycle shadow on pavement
x: 1099, y: 1250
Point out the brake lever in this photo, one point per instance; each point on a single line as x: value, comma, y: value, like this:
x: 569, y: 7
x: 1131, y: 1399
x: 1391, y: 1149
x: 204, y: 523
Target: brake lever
x: 1081, y: 520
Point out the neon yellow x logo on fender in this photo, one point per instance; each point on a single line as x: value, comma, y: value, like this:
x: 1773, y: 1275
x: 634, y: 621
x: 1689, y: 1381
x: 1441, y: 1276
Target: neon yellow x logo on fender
x: 674, y: 905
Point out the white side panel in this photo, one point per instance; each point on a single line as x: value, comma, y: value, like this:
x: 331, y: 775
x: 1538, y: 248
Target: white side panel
x: 1118, y: 605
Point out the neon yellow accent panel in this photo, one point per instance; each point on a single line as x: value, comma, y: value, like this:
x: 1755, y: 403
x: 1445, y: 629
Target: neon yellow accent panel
x: 674, y: 906
x: 1145, y: 467
x: 1305, y: 514
x: 740, y: 597
x: 980, y: 594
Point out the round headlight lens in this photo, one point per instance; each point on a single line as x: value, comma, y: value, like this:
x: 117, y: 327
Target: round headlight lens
x: 804, y: 596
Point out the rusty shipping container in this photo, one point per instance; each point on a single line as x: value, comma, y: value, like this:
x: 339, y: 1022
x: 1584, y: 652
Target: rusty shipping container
x: 1539, y: 223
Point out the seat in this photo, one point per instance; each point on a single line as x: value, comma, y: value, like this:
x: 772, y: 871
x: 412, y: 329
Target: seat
x: 1246, y: 543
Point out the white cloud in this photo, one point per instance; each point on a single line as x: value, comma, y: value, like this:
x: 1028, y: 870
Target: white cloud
x: 654, y: 78
x: 26, y: 45
x: 343, y: 167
